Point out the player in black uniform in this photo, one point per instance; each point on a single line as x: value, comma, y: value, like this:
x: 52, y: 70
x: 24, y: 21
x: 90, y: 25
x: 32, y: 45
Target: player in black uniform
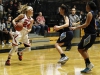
x: 65, y: 33
x: 89, y: 37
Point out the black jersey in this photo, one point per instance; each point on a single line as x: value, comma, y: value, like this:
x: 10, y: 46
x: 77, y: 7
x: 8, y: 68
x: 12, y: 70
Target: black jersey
x: 90, y: 29
x: 61, y: 21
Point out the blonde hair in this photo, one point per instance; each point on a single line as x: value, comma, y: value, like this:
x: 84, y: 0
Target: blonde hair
x: 22, y: 9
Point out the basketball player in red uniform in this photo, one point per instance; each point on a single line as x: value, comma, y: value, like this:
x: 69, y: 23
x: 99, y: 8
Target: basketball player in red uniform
x: 26, y: 19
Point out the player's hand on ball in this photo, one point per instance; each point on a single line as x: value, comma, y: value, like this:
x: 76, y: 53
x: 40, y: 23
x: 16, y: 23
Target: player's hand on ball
x: 15, y: 25
x: 56, y: 28
x: 72, y: 28
x: 18, y: 26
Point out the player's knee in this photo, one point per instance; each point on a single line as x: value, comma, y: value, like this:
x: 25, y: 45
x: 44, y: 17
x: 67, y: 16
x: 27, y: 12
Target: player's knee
x: 80, y: 50
x: 27, y: 45
x: 56, y: 45
x: 14, y: 49
x: 28, y: 48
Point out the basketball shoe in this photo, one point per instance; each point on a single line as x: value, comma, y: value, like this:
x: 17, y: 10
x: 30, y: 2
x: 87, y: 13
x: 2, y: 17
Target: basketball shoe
x: 63, y: 60
x: 88, y: 68
x: 19, y: 55
x: 7, y: 62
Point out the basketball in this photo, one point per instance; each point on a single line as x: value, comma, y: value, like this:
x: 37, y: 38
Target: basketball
x: 19, y: 26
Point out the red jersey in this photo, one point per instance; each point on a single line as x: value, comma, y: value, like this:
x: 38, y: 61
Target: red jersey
x: 26, y: 22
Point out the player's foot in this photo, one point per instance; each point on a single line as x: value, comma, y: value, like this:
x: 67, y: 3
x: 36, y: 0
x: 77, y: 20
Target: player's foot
x: 63, y: 60
x: 88, y: 68
x: 19, y: 55
x: 68, y: 48
x: 7, y: 62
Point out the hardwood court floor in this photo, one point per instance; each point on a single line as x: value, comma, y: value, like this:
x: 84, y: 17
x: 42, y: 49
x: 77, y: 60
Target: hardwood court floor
x: 44, y: 62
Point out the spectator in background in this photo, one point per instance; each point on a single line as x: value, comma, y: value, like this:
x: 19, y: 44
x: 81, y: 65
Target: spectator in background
x: 10, y: 8
x: 9, y: 24
x: 5, y: 16
x: 74, y: 19
x: 36, y: 28
x: 4, y: 33
x: 99, y: 15
x: 1, y: 9
x: 82, y: 17
x: 41, y: 21
x: 97, y: 21
x: 2, y: 26
x: 8, y: 15
x: 15, y: 8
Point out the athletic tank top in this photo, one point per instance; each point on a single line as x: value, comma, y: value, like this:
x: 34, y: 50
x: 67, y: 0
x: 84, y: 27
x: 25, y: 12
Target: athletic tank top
x: 90, y: 29
x: 61, y: 22
x: 26, y: 22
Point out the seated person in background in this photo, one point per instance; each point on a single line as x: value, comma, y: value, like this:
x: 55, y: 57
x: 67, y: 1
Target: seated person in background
x: 36, y: 28
x: 97, y: 24
x: 97, y: 20
x: 4, y: 33
x: 2, y: 26
x: 41, y: 21
x: 9, y: 25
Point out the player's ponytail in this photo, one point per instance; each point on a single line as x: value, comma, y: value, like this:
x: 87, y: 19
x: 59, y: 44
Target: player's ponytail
x: 23, y: 9
x: 64, y: 7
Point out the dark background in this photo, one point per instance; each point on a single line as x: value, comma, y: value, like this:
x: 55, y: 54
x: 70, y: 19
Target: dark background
x: 49, y: 7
